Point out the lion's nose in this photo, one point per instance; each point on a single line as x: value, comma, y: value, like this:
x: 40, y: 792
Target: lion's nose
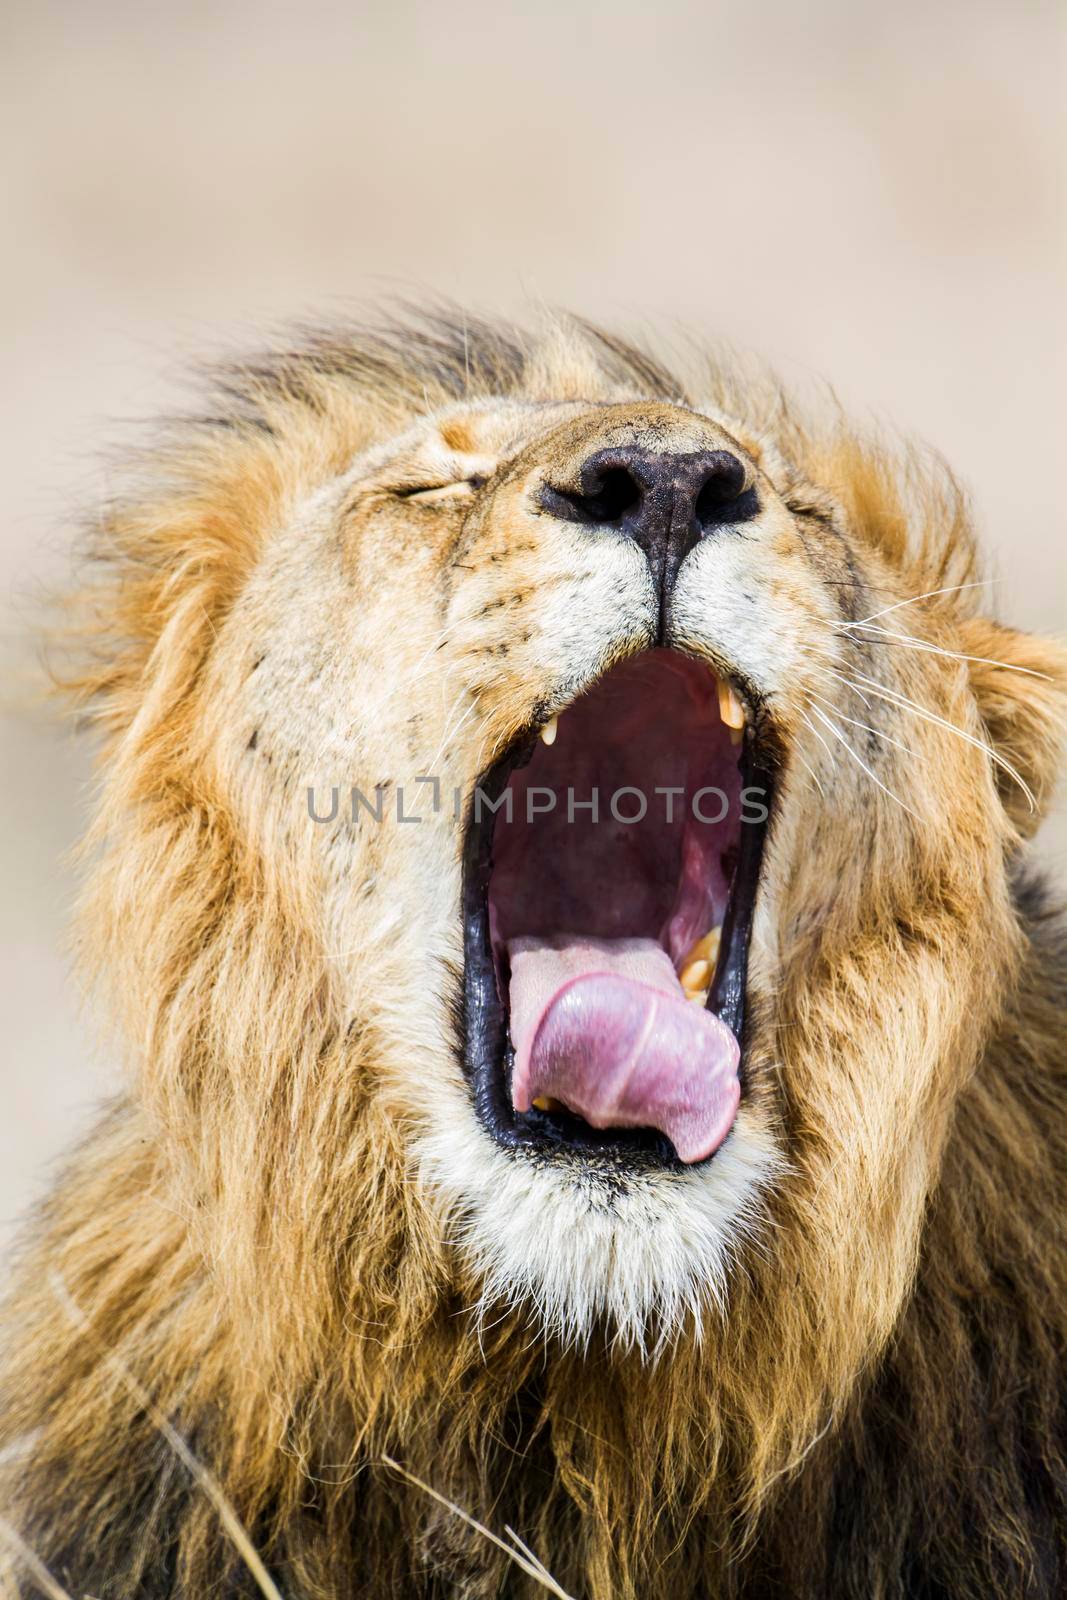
x: 665, y: 502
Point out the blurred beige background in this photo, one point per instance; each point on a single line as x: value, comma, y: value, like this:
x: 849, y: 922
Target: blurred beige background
x: 870, y: 193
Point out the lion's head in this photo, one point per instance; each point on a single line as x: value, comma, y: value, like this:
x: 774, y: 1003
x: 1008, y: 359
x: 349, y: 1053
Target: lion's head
x: 554, y: 865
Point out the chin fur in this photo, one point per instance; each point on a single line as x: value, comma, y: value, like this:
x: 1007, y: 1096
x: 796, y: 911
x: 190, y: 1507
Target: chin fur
x: 580, y: 1247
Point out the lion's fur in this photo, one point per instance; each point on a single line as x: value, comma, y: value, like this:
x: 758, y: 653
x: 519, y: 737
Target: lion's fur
x: 878, y: 1412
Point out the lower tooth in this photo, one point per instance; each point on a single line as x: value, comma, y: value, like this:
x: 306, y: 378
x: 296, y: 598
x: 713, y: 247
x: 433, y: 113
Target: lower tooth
x: 696, y: 975
x: 706, y: 949
x: 545, y: 1102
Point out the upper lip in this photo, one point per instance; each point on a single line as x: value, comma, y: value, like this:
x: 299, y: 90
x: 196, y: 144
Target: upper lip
x: 485, y: 1020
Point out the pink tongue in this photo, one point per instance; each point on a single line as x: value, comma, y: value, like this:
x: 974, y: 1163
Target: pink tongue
x: 603, y: 1025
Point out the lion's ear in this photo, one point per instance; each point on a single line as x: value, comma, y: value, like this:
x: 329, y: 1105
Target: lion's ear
x: 1021, y: 688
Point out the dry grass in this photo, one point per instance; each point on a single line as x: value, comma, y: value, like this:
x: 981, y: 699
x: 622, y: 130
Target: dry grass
x: 235, y: 1529
x: 516, y: 1551
x: 32, y: 1565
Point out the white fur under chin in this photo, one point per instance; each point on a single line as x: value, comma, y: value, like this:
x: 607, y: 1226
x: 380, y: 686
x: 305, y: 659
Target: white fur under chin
x: 643, y: 1255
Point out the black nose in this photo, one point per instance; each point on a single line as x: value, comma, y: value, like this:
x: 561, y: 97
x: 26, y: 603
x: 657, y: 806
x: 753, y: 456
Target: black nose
x: 665, y: 503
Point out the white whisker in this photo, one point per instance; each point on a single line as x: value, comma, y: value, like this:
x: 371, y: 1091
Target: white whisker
x: 412, y: 675
x: 832, y: 672
x: 861, y: 763
x: 450, y: 734
x: 906, y: 704
x: 878, y: 734
x: 818, y: 735
x: 907, y: 639
x: 952, y: 588
x: 811, y: 774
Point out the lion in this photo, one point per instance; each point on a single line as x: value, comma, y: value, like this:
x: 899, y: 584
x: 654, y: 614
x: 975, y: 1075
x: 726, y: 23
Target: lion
x: 595, y: 1034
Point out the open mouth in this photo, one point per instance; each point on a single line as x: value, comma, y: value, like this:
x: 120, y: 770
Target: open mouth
x: 611, y: 866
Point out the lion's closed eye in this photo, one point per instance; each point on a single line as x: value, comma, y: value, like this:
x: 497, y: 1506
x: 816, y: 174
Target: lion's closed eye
x: 432, y: 493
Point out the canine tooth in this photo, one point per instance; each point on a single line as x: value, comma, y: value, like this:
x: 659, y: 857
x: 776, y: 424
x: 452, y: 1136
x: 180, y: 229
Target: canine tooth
x: 550, y: 729
x: 545, y: 1102
x: 699, y: 995
x: 695, y: 975
x: 730, y: 710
